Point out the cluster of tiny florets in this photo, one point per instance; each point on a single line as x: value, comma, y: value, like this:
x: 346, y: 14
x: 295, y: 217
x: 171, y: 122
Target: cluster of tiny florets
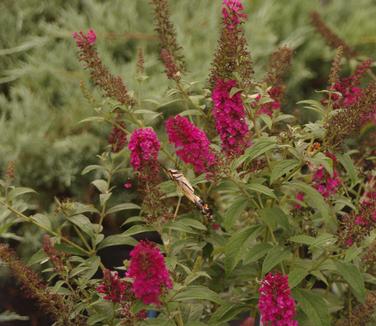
x: 191, y: 143
x: 150, y: 275
x: 276, y: 305
x: 113, y: 288
x: 230, y: 118
x: 144, y: 146
x: 118, y: 136
x: 112, y: 86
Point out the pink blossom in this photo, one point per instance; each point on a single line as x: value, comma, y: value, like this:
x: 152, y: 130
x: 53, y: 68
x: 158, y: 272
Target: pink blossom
x: 300, y: 197
x: 128, y: 184
x: 232, y: 13
x: 192, y: 144
x: 149, y: 272
x: 113, y: 288
x: 324, y: 183
x: 81, y: 38
x: 277, y: 307
x: 270, y: 107
x: 348, y: 87
x: 230, y: 118
x: 118, y: 137
x: 144, y: 146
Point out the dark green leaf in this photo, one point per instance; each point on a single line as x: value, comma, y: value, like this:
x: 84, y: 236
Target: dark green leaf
x: 314, y: 306
x: 354, y: 278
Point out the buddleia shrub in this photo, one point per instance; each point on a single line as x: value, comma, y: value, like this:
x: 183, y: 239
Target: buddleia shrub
x: 223, y: 206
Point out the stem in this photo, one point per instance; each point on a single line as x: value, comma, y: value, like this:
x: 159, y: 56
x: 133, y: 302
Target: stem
x: 29, y: 219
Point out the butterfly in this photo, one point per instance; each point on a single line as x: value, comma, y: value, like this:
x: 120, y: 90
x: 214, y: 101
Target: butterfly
x: 187, y: 189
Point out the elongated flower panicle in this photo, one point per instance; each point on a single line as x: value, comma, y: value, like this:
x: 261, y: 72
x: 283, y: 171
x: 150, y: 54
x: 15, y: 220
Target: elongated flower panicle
x: 279, y: 63
x: 349, y: 87
x: 167, y: 34
x: 56, y: 257
x: 144, y: 146
x: 112, y: 86
x: 356, y: 226
x: 331, y: 38
x: 191, y: 143
x: 232, y: 55
x: 277, y: 307
x: 349, y: 121
x: 171, y: 69
x: 117, y: 137
x: 35, y: 288
x: 230, y: 118
x: 113, y: 288
x: 148, y: 270
x: 269, y: 107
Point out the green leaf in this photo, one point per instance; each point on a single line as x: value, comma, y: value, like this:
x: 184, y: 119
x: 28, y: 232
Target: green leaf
x: 234, y: 211
x: 83, y: 223
x: 296, y: 275
x: 19, y: 191
x: 275, y: 256
x: 136, y: 229
x: 261, y: 189
x: 303, y: 239
x: 122, y: 207
x: 314, y: 306
x: 42, y: 220
x: 197, y: 292
x: 101, y: 185
x: 90, y: 168
x: 233, y: 248
x: 281, y: 168
x: 92, y: 119
x: 69, y: 249
x: 193, y: 224
x: 354, y: 278
x: 313, y: 105
x: 117, y: 240
x: 38, y: 257
x: 228, y: 311
x: 256, y: 252
x: 274, y: 216
x: 259, y: 147
x: 349, y: 166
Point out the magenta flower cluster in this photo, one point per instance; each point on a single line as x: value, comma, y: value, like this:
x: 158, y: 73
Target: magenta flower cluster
x: 325, y: 183
x: 81, y: 38
x: 277, y: 307
x: 232, y: 13
x: 348, y: 88
x: 113, y: 288
x: 148, y: 270
x: 270, y: 107
x: 144, y: 146
x: 230, y: 118
x: 191, y: 143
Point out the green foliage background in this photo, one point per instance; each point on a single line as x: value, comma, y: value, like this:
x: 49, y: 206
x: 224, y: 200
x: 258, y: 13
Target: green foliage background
x: 40, y: 97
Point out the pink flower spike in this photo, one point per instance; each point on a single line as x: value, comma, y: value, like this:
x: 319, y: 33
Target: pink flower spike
x: 148, y: 270
x: 88, y: 38
x: 276, y: 305
x: 113, y: 288
x: 128, y: 184
x: 230, y: 118
x: 144, y: 146
x: 232, y: 13
x: 191, y: 143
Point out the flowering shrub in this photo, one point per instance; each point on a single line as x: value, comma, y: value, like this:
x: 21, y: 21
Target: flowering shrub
x: 254, y: 215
